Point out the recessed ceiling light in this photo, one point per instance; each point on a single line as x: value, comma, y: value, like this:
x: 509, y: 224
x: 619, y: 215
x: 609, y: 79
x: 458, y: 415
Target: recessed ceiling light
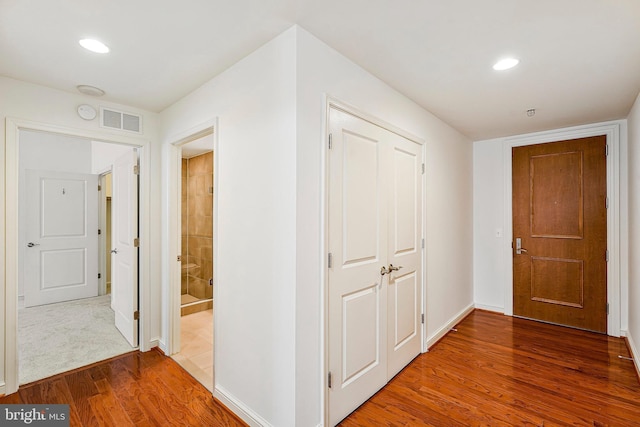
x: 94, y: 45
x: 505, y: 64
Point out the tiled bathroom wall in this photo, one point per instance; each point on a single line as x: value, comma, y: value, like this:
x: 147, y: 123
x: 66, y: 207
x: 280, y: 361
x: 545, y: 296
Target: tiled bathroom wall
x: 197, y: 226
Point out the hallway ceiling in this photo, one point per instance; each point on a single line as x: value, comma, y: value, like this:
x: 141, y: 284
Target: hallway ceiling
x: 579, y: 59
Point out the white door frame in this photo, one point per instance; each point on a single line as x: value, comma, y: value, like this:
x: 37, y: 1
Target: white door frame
x: 331, y: 102
x: 172, y: 249
x: 9, y: 251
x: 616, y: 135
x: 102, y: 238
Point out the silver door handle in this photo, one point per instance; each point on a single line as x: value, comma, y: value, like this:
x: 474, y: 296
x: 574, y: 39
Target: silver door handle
x: 392, y: 268
x: 114, y: 251
x: 519, y: 249
x: 31, y: 244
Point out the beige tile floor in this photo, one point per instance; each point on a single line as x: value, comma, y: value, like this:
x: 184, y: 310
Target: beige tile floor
x: 196, y: 346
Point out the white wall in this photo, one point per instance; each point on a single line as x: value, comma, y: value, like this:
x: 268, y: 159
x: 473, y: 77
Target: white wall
x: 488, y: 225
x: 323, y: 71
x: 104, y: 155
x: 633, y: 123
x: 254, y: 292
x: 270, y: 108
x: 38, y: 104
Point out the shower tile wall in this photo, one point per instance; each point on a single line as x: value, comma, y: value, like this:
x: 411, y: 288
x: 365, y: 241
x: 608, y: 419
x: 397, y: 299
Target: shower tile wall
x: 197, y: 225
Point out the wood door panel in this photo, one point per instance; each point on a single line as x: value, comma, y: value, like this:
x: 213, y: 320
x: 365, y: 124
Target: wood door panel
x: 559, y: 196
x: 567, y: 288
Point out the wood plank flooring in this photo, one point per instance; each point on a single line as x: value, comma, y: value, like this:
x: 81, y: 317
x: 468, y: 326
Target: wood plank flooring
x: 503, y: 371
x: 494, y: 371
x: 141, y: 389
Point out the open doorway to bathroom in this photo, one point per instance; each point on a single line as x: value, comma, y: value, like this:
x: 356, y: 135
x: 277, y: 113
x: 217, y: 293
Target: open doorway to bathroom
x: 195, y: 352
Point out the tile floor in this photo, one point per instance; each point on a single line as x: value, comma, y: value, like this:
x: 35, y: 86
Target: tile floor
x: 196, y: 346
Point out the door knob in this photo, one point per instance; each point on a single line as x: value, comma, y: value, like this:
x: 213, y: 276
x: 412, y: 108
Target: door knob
x: 519, y: 249
x: 392, y: 268
x: 114, y: 251
x: 383, y: 270
x: 31, y: 244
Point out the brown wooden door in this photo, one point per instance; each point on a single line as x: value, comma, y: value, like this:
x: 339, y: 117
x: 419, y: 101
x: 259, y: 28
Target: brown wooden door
x: 559, y: 213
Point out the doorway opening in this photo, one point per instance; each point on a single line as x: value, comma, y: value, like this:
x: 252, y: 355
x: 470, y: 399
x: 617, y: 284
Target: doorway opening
x: 65, y: 302
x: 192, y: 346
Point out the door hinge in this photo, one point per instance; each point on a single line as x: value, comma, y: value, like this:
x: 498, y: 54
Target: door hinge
x: 136, y: 315
x: 99, y: 231
x: 606, y: 203
x: 423, y: 169
x: 423, y: 243
x: 136, y: 242
x: 99, y: 275
x: 607, y: 308
x: 329, y: 380
x: 330, y: 260
x: 606, y: 255
x: 606, y: 150
x: 330, y: 141
x: 422, y: 318
x: 136, y: 169
x: 99, y: 187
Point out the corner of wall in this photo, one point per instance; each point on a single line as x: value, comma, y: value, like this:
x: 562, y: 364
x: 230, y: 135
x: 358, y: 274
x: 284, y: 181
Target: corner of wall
x: 633, y: 165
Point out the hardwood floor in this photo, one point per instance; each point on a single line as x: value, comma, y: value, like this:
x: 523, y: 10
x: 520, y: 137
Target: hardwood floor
x: 494, y: 371
x: 502, y: 371
x: 141, y: 389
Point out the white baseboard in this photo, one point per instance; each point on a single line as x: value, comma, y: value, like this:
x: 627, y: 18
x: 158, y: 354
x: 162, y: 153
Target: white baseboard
x: 163, y: 346
x: 635, y: 353
x: 239, y: 408
x: 450, y: 324
x: 490, y: 308
x: 154, y: 343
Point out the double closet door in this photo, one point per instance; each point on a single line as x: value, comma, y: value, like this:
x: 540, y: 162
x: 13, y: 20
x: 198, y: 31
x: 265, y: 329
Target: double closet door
x: 375, y: 245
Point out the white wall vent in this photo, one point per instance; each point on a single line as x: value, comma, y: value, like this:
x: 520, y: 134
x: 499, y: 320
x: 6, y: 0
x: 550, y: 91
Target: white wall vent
x: 120, y: 120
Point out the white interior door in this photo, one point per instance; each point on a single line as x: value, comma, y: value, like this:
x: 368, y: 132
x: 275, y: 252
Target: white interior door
x: 61, y: 258
x: 405, y: 253
x: 124, y: 252
x: 375, y: 217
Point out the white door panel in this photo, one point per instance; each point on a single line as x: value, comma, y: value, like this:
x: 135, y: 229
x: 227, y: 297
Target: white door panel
x: 124, y: 256
x: 357, y: 238
x: 61, y: 258
x: 375, y: 219
x: 405, y: 234
x: 360, y: 198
